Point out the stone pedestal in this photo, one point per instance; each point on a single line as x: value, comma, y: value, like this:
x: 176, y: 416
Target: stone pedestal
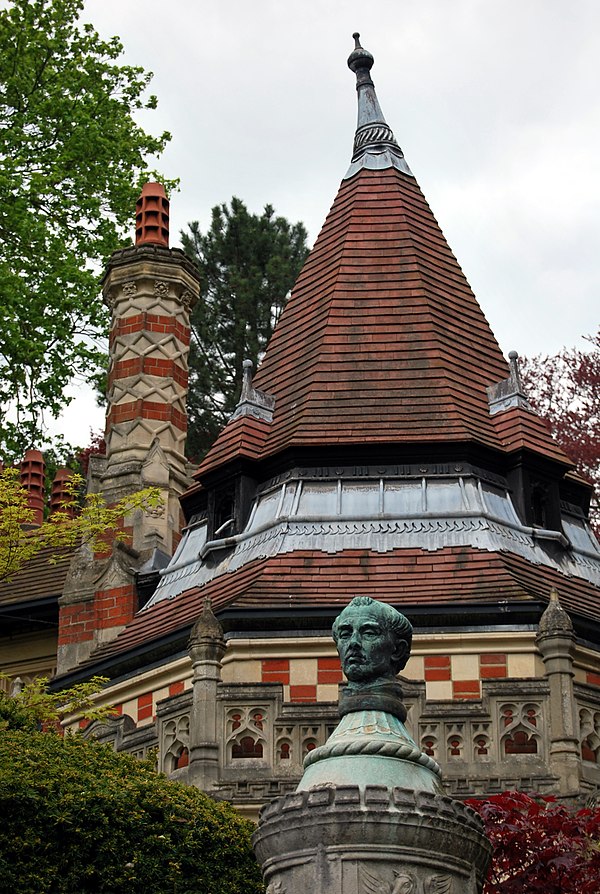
x: 370, y: 817
x: 376, y: 840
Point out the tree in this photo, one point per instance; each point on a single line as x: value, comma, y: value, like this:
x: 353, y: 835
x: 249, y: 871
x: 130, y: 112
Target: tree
x: 90, y: 522
x: 78, y: 818
x: 72, y: 159
x: 248, y: 263
x: 96, y: 447
x: 565, y: 389
x: 540, y: 846
x: 34, y: 707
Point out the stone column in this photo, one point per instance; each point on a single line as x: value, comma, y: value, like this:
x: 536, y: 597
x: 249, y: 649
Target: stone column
x: 370, y: 815
x: 556, y: 642
x: 206, y: 648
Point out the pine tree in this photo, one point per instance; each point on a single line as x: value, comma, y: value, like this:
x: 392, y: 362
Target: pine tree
x: 249, y: 263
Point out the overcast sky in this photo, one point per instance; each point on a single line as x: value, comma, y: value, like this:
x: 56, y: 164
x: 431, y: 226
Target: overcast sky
x: 496, y: 106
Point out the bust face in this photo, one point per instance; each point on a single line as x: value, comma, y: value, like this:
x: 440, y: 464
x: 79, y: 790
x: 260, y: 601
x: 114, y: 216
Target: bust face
x: 366, y: 646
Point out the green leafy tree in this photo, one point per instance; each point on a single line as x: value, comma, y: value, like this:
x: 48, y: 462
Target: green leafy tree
x: 72, y: 158
x: 34, y: 707
x: 88, y: 520
x: 249, y: 263
x: 78, y: 818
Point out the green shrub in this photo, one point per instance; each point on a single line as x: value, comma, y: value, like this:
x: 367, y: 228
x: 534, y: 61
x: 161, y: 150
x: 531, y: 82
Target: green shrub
x: 78, y: 818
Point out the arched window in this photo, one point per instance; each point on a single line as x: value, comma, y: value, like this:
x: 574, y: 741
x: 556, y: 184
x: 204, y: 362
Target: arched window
x: 183, y: 759
x: 246, y: 747
x: 520, y: 743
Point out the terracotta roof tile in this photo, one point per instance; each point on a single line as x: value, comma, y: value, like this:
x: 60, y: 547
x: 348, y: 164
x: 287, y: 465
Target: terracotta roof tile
x: 41, y: 577
x: 519, y: 428
x: 306, y: 579
x: 244, y: 436
x: 382, y: 339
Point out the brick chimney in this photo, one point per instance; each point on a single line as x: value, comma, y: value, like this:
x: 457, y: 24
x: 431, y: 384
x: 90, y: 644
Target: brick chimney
x: 33, y: 472
x: 150, y: 290
x: 59, y: 495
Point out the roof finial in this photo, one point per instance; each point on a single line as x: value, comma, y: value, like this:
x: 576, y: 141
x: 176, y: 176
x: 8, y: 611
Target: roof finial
x: 509, y: 392
x: 513, y: 359
x: 375, y: 146
x: 360, y: 61
x: 555, y: 620
x: 253, y: 402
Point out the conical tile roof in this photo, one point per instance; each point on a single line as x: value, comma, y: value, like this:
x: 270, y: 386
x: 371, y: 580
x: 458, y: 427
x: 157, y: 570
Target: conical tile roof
x: 382, y: 344
x: 382, y: 340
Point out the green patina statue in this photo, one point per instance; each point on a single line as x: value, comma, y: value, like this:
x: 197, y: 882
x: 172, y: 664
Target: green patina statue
x: 371, y: 745
x: 373, y: 641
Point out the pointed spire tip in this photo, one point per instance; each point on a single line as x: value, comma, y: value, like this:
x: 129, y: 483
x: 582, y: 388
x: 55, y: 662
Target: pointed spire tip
x: 360, y: 59
x: 375, y: 146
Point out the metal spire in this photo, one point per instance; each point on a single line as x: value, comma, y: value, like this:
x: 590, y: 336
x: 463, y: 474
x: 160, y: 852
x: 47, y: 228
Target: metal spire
x: 375, y: 146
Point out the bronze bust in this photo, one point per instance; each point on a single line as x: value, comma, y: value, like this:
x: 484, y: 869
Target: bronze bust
x: 373, y: 641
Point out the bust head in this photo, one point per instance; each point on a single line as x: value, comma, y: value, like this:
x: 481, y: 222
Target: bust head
x: 373, y: 640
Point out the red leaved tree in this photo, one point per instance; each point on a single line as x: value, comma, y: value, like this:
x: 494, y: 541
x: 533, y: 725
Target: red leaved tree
x: 97, y: 447
x: 564, y: 388
x: 540, y: 845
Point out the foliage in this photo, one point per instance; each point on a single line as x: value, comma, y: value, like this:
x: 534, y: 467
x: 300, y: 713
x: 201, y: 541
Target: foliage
x: 71, y: 161
x: 78, y: 818
x: 248, y: 263
x: 92, y: 523
x: 96, y: 447
x: 34, y: 705
x: 565, y: 389
x: 540, y: 845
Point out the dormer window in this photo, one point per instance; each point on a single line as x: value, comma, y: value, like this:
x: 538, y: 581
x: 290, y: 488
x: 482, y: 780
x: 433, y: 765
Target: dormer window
x: 539, y: 506
x: 224, y: 511
x: 228, y: 506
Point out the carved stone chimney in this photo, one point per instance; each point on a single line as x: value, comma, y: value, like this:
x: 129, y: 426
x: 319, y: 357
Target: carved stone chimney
x: 150, y: 290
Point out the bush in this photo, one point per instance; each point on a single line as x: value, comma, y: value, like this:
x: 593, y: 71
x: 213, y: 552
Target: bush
x: 77, y: 818
x: 540, y: 845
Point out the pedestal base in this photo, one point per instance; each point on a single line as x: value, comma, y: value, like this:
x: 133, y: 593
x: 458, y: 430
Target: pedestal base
x: 349, y: 840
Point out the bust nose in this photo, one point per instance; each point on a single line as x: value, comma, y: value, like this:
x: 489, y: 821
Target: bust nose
x: 355, y: 638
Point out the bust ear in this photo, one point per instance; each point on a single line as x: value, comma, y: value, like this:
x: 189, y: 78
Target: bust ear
x: 401, y: 654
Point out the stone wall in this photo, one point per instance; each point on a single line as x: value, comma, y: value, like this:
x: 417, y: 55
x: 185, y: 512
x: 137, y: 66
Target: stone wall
x: 492, y: 744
